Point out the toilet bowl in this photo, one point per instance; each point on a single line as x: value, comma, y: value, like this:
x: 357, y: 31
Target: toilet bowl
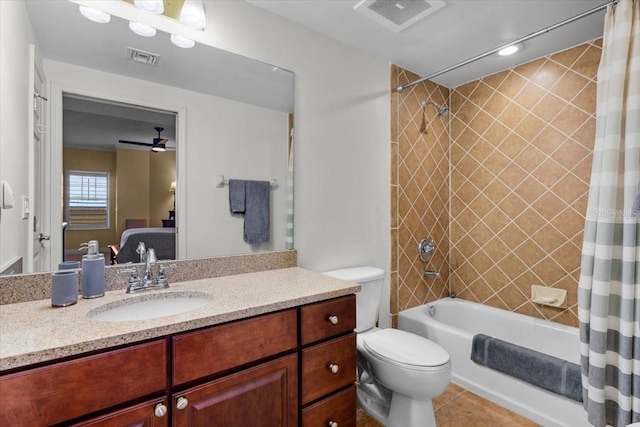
x: 398, y: 372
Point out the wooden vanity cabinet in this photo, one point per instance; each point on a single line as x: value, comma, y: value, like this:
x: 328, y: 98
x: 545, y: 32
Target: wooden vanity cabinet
x: 272, y: 370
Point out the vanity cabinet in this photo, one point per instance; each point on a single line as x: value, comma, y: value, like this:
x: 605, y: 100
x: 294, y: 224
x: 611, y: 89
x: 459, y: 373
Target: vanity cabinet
x: 283, y: 369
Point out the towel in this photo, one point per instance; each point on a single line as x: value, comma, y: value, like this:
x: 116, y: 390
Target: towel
x: 236, y: 195
x: 257, y: 212
x: 550, y: 373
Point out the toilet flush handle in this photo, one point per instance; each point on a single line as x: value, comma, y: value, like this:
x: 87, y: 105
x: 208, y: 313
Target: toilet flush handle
x: 334, y: 368
x: 333, y: 320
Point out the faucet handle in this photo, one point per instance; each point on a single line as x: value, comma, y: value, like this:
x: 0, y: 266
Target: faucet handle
x: 162, y: 279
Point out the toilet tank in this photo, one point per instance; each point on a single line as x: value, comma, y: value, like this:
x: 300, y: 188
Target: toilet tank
x: 368, y: 299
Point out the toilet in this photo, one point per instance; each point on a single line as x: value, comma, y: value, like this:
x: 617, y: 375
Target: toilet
x: 398, y: 372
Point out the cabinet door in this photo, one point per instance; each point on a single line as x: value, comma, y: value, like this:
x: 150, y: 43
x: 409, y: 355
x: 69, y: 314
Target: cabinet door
x: 263, y: 396
x: 149, y: 414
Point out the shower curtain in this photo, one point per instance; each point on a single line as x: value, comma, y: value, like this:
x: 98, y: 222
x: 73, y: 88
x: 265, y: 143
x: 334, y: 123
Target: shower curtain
x: 609, y: 287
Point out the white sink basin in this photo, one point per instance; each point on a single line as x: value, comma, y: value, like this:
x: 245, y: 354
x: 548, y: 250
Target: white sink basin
x: 149, y: 306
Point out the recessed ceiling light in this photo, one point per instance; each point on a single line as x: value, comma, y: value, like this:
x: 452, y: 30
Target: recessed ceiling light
x: 509, y: 50
x: 153, y: 6
x: 181, y: 41
x: 95, y: 15
x: 142, y: 29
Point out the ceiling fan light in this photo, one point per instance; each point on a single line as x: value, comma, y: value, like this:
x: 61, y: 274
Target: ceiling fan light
x: 153, y: 6
x: 192, y: 14
x: 142, y: 29
x: 95, y: 15
x: 181, y: 41
x: 158, y: 148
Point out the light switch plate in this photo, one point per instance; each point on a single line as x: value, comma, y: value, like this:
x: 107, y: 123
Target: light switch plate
x: 26, y: 208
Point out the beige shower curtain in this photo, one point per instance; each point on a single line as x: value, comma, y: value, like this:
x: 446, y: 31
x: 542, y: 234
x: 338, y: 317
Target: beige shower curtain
x: 609, y: 288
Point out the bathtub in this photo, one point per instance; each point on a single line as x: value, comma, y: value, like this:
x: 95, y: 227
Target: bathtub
x: 455, y: 323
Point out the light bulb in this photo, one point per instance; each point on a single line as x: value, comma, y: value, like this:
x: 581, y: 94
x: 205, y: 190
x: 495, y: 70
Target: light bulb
x: 192, y: 14
x: 95, y: 15
x: 181, y: 41
x: 142, y: 29
x: 509, y: 50
x: 153, y: 6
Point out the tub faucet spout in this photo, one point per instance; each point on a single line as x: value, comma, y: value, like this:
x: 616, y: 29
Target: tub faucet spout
x: 430, y: 273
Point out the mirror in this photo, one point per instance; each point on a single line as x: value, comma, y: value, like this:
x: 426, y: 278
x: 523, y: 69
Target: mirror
x: 233, y: 118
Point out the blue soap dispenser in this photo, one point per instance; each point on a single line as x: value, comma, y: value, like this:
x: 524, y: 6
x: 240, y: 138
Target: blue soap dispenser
x: 92, y: 271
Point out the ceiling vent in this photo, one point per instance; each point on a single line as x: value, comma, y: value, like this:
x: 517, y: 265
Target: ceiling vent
x: 397, y: 15
x: 142, y: 57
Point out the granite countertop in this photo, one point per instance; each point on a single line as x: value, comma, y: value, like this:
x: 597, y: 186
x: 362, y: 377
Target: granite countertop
x: 33, y: 332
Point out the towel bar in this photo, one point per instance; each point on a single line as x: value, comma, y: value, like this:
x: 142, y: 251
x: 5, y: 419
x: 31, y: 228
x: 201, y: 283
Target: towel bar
x: 221, y: 182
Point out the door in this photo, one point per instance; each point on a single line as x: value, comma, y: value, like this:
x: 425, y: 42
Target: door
x: 33, y: 206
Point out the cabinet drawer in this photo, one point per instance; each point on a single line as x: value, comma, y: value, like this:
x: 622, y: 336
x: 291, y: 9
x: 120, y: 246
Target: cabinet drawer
x: 219, y: 348
x: 318, y: 380
x: 339, y: 408
x: 60, y: 392
x: 328, y: 318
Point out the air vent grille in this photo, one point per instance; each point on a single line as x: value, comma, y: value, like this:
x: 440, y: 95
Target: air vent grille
x: 142, y: 57
x: 397, y: 15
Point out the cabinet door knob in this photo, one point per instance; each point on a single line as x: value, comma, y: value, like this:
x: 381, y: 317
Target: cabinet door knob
x: 161, y: 410
x: 333, y: 319
x: 334, y: 368
x: 333, y: 424
x: 182, y: 403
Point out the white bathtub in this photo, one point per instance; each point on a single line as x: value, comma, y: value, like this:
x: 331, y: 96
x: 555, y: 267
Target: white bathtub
x: 456, y: 322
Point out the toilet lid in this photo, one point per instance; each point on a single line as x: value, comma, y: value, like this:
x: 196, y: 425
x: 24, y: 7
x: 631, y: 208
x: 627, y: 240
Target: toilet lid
x: 401, y: 347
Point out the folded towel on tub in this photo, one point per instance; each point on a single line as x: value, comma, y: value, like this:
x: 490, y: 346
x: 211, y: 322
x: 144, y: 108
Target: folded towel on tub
x: 542, y: 370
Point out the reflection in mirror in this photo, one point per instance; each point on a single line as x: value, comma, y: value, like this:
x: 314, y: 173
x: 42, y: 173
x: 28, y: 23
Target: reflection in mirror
x: 233, y: 118
x: 132, y: 149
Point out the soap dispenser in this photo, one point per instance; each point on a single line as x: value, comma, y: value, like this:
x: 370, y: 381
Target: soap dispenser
x: 92, y: 271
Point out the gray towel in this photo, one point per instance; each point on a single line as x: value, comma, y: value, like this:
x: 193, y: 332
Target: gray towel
x: 635, y: 209
x: 257, y: 212
x: 544, y: 371
x: 236, y: 195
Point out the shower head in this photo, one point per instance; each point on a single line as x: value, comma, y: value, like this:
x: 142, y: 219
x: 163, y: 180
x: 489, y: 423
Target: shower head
x: 442, y: 110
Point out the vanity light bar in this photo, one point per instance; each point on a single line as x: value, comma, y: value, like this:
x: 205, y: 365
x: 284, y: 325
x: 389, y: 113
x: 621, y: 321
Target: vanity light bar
x: 142, y: 57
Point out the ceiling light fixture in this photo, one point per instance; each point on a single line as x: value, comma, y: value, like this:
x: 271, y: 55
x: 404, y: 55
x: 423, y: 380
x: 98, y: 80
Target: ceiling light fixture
x: 192, y: 14
x: 142, y: 29
x: 510, y: 50
x: 95, y: 15
x: 153, y: 6
x: 181, y: 41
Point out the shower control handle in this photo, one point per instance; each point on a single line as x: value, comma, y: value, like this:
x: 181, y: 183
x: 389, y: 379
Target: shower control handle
x: 333, y: 320
x: 334, y: 368
x: 332, y: 423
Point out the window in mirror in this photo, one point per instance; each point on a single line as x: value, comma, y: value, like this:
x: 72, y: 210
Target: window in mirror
x: 87, y: 200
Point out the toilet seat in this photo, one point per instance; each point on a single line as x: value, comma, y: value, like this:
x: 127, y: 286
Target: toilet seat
x: 405, y: 350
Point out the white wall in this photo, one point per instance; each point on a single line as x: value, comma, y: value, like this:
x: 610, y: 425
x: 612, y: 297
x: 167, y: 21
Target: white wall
x: 15, y: 38
x: 222, y: 137
x: 342, y: 200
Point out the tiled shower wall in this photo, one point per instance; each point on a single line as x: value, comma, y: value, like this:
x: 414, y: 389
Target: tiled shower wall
x: 521, y: 151
x: 517, y: 158
x: 419, y: 191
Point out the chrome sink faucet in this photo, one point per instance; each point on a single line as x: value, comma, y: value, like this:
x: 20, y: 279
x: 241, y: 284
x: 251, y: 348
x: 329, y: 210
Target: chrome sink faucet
x: 147, y: 281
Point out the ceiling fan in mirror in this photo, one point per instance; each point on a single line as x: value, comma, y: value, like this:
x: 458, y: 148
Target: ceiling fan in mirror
x: 159, y: 144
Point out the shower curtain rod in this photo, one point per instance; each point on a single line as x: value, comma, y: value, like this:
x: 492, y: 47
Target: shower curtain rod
x: 400, y: 88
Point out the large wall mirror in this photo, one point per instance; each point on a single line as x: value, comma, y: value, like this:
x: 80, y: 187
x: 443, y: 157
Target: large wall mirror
x: 221, y: 115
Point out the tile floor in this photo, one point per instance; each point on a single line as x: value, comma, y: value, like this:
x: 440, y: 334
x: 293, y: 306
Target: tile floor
x: 458, y: 407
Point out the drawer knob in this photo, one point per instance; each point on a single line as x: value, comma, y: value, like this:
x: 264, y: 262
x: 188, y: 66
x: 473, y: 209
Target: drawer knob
x: 160, y: 411
x: 182, y: 403
x: 333, y: 319
x: 334, y: 368
x: 333, y: 424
